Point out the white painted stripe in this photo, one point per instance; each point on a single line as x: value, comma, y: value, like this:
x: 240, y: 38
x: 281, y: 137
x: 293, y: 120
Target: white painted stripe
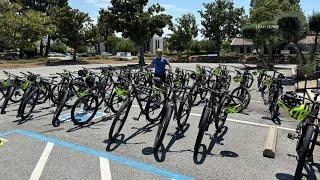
x: 256, y: 101
x: 42, y: 162
x: 248, y: 122
x: 105, y: 169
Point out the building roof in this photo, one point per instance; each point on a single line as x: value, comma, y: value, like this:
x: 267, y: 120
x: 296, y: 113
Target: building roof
x: 307, y: 40
x: 239, y: 41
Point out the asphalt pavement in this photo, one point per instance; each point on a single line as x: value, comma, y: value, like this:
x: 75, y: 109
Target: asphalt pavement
x: 37, y: 150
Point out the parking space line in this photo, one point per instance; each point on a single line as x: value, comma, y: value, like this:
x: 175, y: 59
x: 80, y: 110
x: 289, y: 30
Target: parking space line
x: 118, y: 159
x: 250, y: 123
x: 42, y: 162
x: 242, y: 122
x: 105, y: 169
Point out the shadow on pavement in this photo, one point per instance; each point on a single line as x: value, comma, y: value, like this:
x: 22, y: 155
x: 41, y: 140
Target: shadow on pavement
x: 204, y: 151
x: 117, y: 142
x: 76, y: 128
x: 160, y: 155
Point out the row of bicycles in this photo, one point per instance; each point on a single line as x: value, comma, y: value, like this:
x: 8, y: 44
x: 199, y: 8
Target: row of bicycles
x: 304, y: 109
x: 115, y: 90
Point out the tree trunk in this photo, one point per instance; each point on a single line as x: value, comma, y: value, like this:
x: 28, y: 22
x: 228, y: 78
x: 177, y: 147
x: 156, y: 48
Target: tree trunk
x: 270, y: 55
x: 48, y: 45
x: 41, y: 47
x: 74, y: 55
x: 314, y: 50
x: 141, y: 58
x: 301, y: 58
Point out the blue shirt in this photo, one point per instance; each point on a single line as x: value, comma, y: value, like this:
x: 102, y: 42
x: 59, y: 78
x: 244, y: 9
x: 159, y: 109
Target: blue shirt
x: 160, y: 65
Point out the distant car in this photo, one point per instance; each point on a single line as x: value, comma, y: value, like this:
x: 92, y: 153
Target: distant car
x: 60, y: 56
x: 106, y: 54
x: 84, y: 55
x: 12, y: 56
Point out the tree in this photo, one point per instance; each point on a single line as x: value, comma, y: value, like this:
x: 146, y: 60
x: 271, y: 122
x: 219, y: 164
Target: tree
x: 221, y: 21
x: 176, y: 42
x: 314, y: 25
x: 184, y: 32
x: 74, y: 28
x: 269, y: 10
x: 45, y: 7
x: 136, y: 23
x: 104, y: 28
x: 22, y: 31
x: 59, y: 47
x: 261, y: 25
x: 294, y: 28
x: 125, y: 45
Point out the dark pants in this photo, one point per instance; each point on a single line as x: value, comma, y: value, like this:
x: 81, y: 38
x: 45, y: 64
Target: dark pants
x: 162, y: 77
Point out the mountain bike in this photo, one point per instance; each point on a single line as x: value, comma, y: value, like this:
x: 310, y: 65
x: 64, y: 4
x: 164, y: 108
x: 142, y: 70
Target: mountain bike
x: 308, y: 128
x: 275, y: 91
x: 133, y: 93
x: 179, y: 108
x: 215, y: 110
x: 241, y: 95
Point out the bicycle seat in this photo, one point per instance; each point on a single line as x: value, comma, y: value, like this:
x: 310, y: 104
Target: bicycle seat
x: 157, y: 80
x: 316, y: 92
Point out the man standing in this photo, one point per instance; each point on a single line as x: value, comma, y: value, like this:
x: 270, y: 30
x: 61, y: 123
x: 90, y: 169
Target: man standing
x: 159, y: 64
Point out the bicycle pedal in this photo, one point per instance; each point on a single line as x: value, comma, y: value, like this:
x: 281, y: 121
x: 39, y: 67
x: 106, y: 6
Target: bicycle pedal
x: 135, y: 118
x: 292, y: 136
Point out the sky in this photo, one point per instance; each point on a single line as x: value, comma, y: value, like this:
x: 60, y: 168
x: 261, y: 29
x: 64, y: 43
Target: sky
x: 177, y: 8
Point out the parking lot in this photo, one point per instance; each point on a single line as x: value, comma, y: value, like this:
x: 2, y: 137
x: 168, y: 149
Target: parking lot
x: 37, y: 150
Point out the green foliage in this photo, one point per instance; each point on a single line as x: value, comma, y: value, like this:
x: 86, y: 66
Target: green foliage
x: 292, y: 26
x: 269, y: 10
x: 104, y: 29
x: 136, y: 23
x: 22, y: 30
x: 74, y: 27
x: 226, y: 45
x: 221, y: 20
x: 314, y: 22
x: 183, y: 33
x: 126, y: 45
x: 314, y: 25
x: 59, y: 47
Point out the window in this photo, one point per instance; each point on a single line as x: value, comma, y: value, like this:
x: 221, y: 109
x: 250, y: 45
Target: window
x: 241, y: 50
x: 157, y: 44
x: 248, y: 50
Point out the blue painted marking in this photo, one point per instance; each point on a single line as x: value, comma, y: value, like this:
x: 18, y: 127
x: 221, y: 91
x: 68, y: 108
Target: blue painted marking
x: 81, y: 117
x: 118, y: 159
x: 8, y: 133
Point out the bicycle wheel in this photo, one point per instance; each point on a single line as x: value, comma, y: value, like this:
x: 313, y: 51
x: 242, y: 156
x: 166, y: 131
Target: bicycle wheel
x: 119, y: 120
x: 304, y: 150
x: 202, y: 127
x: 184, y: 111
x: 17, y: 95
x: 7, y: 99
x: 116, y: 102
x: 274, y: 107
x: 154, y: 107
x: 29, y: 104
x: 55, y: 120
x: 1, y: 94
x: 163, y: 126
x: 249, y: 81
x: 84, y: 110
x: 221, y: 115
x: 241, y: 96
